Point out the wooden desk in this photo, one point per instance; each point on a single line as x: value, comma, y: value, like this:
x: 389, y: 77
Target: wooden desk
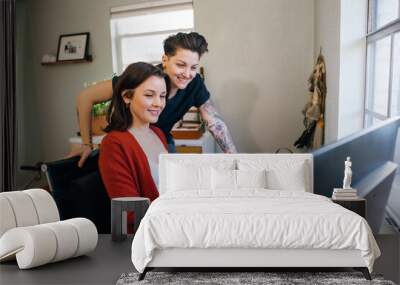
x: 205, y: 144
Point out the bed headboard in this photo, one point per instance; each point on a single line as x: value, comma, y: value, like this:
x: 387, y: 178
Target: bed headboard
x: 210, y: 159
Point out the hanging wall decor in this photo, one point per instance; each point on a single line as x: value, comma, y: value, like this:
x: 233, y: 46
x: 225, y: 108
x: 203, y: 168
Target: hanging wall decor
x: 73, y: 47
x: 313, y: 135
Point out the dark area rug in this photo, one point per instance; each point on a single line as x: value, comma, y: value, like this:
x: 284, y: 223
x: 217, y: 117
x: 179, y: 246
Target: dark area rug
x: 229, y: 278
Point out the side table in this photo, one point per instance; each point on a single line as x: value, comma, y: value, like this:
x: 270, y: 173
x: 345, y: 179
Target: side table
x: 358, y: 205
x: 137, y: 205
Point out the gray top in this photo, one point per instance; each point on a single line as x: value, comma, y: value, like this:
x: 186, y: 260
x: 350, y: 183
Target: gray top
x: 152, y: 146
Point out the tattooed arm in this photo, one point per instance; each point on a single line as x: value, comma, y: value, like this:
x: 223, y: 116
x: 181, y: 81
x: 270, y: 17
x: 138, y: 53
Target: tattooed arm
x: 217, y: 127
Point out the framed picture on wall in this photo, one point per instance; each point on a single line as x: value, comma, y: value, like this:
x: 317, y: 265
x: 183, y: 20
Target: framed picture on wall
x: 73, y: 47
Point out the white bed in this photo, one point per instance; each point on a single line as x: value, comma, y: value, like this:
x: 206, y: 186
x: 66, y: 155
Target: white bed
x: 202, y: 226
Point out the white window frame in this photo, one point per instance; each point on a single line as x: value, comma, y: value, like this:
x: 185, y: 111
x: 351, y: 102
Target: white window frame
x: 390, y: 29
x: 116, y: 40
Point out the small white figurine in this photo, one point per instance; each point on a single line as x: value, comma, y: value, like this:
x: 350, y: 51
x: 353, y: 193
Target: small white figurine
x: 347, y: 174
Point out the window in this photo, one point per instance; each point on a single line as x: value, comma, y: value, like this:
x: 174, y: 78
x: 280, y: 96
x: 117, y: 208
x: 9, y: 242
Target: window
x: 138, y: 31
x: 382, y: 12
x: 383, y: 61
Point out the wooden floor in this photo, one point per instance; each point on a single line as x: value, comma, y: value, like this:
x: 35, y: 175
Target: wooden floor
x: 389, y: 262
x: 106, y: 264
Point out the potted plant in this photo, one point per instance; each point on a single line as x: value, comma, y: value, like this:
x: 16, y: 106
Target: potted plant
x: 99, y: 122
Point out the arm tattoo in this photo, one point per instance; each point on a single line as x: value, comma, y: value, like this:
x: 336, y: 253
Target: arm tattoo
x: 217, y: 127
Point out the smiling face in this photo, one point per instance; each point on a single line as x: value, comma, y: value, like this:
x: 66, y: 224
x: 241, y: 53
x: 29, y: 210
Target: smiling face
x: 147, y: 102
x: 181, y: 68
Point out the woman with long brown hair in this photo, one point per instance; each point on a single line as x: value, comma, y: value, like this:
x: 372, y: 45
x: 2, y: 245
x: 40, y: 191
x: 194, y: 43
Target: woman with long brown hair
x: 129, y: 152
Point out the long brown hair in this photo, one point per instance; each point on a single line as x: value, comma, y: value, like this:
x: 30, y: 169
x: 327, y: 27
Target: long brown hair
x: 119, y: 116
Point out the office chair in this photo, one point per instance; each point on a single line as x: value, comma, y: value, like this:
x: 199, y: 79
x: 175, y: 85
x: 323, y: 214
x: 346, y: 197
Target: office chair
x: 79, y: 192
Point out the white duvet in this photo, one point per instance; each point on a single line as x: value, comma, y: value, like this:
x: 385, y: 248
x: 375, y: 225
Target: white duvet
x: 252, y: 218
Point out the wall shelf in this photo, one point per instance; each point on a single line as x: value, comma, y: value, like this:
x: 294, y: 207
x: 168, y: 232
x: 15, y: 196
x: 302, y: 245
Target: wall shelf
x: 88, y: 59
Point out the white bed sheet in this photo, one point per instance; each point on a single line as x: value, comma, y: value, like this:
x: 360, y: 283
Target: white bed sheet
x: 250, y: 218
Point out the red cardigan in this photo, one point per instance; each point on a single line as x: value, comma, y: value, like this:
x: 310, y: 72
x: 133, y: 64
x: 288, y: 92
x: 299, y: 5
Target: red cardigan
x: 124, y: 166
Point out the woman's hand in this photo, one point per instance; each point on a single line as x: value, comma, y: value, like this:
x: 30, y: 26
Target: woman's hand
x: 87, y: 98
x: 83, y: 151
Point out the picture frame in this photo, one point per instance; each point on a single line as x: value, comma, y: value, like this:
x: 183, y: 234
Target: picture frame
x: 73, y: 47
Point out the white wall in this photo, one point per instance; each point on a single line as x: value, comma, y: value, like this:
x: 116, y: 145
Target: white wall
x: 327, y: 37
x: 54, y: 88
x: 353, y: 29
x: 46, y: 95
x: 261, y: 54
x: 340, y: 29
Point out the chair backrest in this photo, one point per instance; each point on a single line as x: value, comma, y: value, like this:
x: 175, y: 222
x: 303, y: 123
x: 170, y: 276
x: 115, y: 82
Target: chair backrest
x: 79, y: 192
x: 26, y: 208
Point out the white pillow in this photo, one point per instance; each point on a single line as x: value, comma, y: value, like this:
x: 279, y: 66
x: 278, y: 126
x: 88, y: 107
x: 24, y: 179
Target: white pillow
x: 293, y: 179
x: 251, y: 178
x: 182, y: 177
x: 282, y: 174
x: 228, y: 179
x: 223, y: 179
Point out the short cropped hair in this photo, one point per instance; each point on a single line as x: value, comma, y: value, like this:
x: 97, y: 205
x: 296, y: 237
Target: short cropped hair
x: 191, y: 41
